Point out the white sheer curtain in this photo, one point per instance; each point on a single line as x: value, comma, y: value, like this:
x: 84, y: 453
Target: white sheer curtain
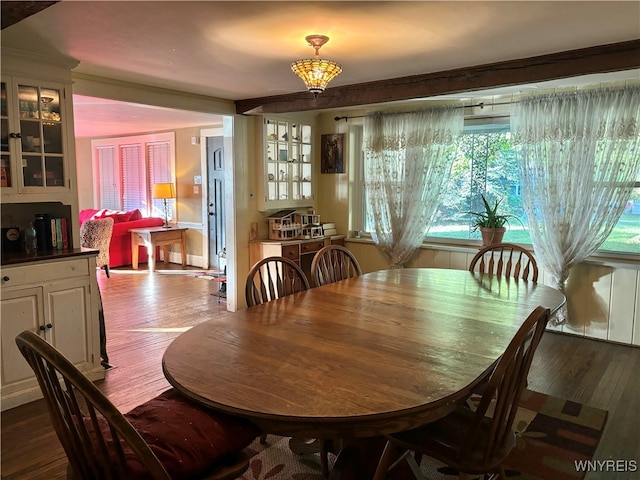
x: 580, y: 156
x: 408, y: 158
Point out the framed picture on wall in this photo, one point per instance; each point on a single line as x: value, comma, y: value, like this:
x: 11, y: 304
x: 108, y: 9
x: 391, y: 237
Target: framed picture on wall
x: 332, y: 153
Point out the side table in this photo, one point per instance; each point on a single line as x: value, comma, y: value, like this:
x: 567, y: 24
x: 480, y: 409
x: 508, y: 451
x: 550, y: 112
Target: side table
x: 153, y: 237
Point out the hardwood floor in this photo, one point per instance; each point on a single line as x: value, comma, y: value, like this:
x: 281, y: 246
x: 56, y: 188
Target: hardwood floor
x: 144, y: 313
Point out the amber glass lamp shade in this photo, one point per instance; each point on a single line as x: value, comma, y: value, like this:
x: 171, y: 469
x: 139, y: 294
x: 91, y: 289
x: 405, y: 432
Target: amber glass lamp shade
x: 316, y: 73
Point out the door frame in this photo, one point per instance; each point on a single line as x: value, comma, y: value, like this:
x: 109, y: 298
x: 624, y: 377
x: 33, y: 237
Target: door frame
x: 204, y: 168
x: 226, y: 131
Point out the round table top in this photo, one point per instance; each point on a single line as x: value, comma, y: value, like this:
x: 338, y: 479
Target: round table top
x: 379, y: 353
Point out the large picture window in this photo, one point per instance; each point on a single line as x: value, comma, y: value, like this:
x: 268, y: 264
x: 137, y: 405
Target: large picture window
x: 126, y: 169
x: 486, y: 164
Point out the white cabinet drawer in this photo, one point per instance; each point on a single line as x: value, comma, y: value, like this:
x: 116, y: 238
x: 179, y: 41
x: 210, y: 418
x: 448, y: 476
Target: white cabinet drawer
x: 44, y: 272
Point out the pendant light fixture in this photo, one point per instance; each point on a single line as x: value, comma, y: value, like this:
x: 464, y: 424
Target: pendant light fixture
x: 315, y: 72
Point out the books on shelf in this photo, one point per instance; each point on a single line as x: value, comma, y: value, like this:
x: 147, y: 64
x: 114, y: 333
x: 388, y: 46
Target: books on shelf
x: 60, y: 233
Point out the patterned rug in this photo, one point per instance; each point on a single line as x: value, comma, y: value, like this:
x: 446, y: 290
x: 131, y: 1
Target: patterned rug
x: 552, y: 435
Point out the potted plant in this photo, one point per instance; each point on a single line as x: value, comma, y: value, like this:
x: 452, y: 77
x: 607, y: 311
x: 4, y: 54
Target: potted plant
x: 490, y: 223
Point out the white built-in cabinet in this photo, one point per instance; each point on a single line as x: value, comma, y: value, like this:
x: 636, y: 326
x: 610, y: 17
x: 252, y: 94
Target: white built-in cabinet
x: 54, y: 293
x: 286, y: 180
x: 37, y: 144
x: 57, y: 299
x: 33, y: 150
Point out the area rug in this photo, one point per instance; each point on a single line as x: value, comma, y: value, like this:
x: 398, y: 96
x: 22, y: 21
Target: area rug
x: 553, y: 434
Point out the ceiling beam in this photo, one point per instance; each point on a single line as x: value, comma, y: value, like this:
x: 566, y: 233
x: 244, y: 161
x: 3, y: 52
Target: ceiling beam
x: 13, y: 12
x: 572, y: 63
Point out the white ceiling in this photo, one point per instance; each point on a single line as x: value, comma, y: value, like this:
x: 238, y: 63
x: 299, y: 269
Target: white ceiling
x: 242, y: 49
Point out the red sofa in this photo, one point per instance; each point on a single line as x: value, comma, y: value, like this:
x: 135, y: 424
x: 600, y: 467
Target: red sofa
x: 120, y: 246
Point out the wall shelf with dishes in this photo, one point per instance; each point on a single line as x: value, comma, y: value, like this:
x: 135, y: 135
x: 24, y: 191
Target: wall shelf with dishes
x: 287, y: 179
x: 33, y: 149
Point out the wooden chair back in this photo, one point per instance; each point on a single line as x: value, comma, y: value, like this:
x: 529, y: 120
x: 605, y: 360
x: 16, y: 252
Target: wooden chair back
x: 505, y: 387
x: 332, y: 264
x: 97, y: 234
x: 274, y: 277
x: 77, y: 408
x: 100, y: 442
x: 505, y: 259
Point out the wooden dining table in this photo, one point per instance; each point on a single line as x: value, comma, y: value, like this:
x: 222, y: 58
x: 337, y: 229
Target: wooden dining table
x: 380, y: 353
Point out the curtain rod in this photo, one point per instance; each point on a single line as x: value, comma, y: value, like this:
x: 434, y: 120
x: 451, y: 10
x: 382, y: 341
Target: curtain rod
x: 481, y: 105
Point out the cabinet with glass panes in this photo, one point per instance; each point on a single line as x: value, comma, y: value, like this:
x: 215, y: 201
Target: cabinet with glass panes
x: 288, y: 169
x: 33, y: 156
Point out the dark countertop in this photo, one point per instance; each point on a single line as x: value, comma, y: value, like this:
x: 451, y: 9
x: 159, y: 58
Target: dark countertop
x: 16, y: 258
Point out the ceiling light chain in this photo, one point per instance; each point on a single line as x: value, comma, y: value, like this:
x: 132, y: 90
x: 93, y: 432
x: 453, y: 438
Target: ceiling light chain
x: 315, y: 72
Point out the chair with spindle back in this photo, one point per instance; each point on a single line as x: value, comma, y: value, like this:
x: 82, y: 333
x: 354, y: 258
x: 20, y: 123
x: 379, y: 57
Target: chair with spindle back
x: 101, y: 442
x: 470, y: 441
x: 505, y: 259
x: 332, y: 264
x: 274, y: 277
x: 269, y: 279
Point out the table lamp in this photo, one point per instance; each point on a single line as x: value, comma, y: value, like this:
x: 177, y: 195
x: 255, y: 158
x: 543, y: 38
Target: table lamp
x: 163, y: 191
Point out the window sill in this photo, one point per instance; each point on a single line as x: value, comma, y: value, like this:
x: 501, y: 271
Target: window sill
x: 608, y: 259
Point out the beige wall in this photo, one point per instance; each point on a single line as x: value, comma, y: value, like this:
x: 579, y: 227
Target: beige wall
x: 332, y: 194
x: 84, y: 174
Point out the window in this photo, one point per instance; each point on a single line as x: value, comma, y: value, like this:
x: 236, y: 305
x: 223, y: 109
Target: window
x: 625, y: 237
x: 126, y: 169
x: 486, y: 164
x: 159, y: 163
x: 108, y: 188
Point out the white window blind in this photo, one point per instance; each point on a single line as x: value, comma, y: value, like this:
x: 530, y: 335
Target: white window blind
x: 126, y: 169
x: 134, y: 191
x: 108, y: 182
x: 159, y: 161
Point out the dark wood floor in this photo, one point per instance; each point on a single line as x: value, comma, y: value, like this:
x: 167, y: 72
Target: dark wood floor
x: 145, y: 312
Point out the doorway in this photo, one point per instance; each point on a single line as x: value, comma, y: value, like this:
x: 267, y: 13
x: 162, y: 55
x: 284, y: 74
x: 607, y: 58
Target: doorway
x: 215, y: 201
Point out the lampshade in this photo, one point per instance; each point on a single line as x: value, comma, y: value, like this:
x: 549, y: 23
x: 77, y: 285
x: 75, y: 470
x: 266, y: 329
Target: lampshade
x: 315, y: 72
x: 163, y: 190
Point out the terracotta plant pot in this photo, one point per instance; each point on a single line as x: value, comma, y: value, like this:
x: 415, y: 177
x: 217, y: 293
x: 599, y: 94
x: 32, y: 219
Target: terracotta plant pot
x: 491, y: 236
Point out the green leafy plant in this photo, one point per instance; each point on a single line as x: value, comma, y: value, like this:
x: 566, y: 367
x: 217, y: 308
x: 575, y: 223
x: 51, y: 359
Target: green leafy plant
x: 490, y: 218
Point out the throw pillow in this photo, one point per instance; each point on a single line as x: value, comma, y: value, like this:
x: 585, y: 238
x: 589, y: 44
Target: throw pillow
x: 121, y: 217
x: 101, y: 213
x: 135, y: 215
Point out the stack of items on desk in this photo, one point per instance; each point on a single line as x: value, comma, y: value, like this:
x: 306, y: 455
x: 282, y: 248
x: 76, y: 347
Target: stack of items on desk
x: 329, y: 229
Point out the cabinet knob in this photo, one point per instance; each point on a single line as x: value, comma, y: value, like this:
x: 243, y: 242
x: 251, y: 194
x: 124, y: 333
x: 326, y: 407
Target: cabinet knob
x: 5, y: 279
x: 49, y: 325
x: 15, y: 135
x: 41, y: 328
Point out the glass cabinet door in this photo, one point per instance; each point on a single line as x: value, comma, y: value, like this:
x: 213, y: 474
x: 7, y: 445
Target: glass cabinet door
x: 39, y: 111
x: 301, y: 161
x: 277, y: 160
x: 288, y: 167
x: 6, y: 177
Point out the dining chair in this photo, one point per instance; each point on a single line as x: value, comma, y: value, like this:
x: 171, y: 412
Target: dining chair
x: 471, y: 441
x: 97, y: 234
x: 505, y: 259
x: 273, y: 277
x: 332, y: 264
x: 101, y: 442
x: 268, y: 279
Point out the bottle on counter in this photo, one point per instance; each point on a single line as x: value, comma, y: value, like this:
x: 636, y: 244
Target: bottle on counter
x: 30, y: 240
x: 43, y: 231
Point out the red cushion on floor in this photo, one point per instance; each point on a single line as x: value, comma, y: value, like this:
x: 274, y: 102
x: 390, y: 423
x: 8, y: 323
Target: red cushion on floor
x: 187, y: 439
